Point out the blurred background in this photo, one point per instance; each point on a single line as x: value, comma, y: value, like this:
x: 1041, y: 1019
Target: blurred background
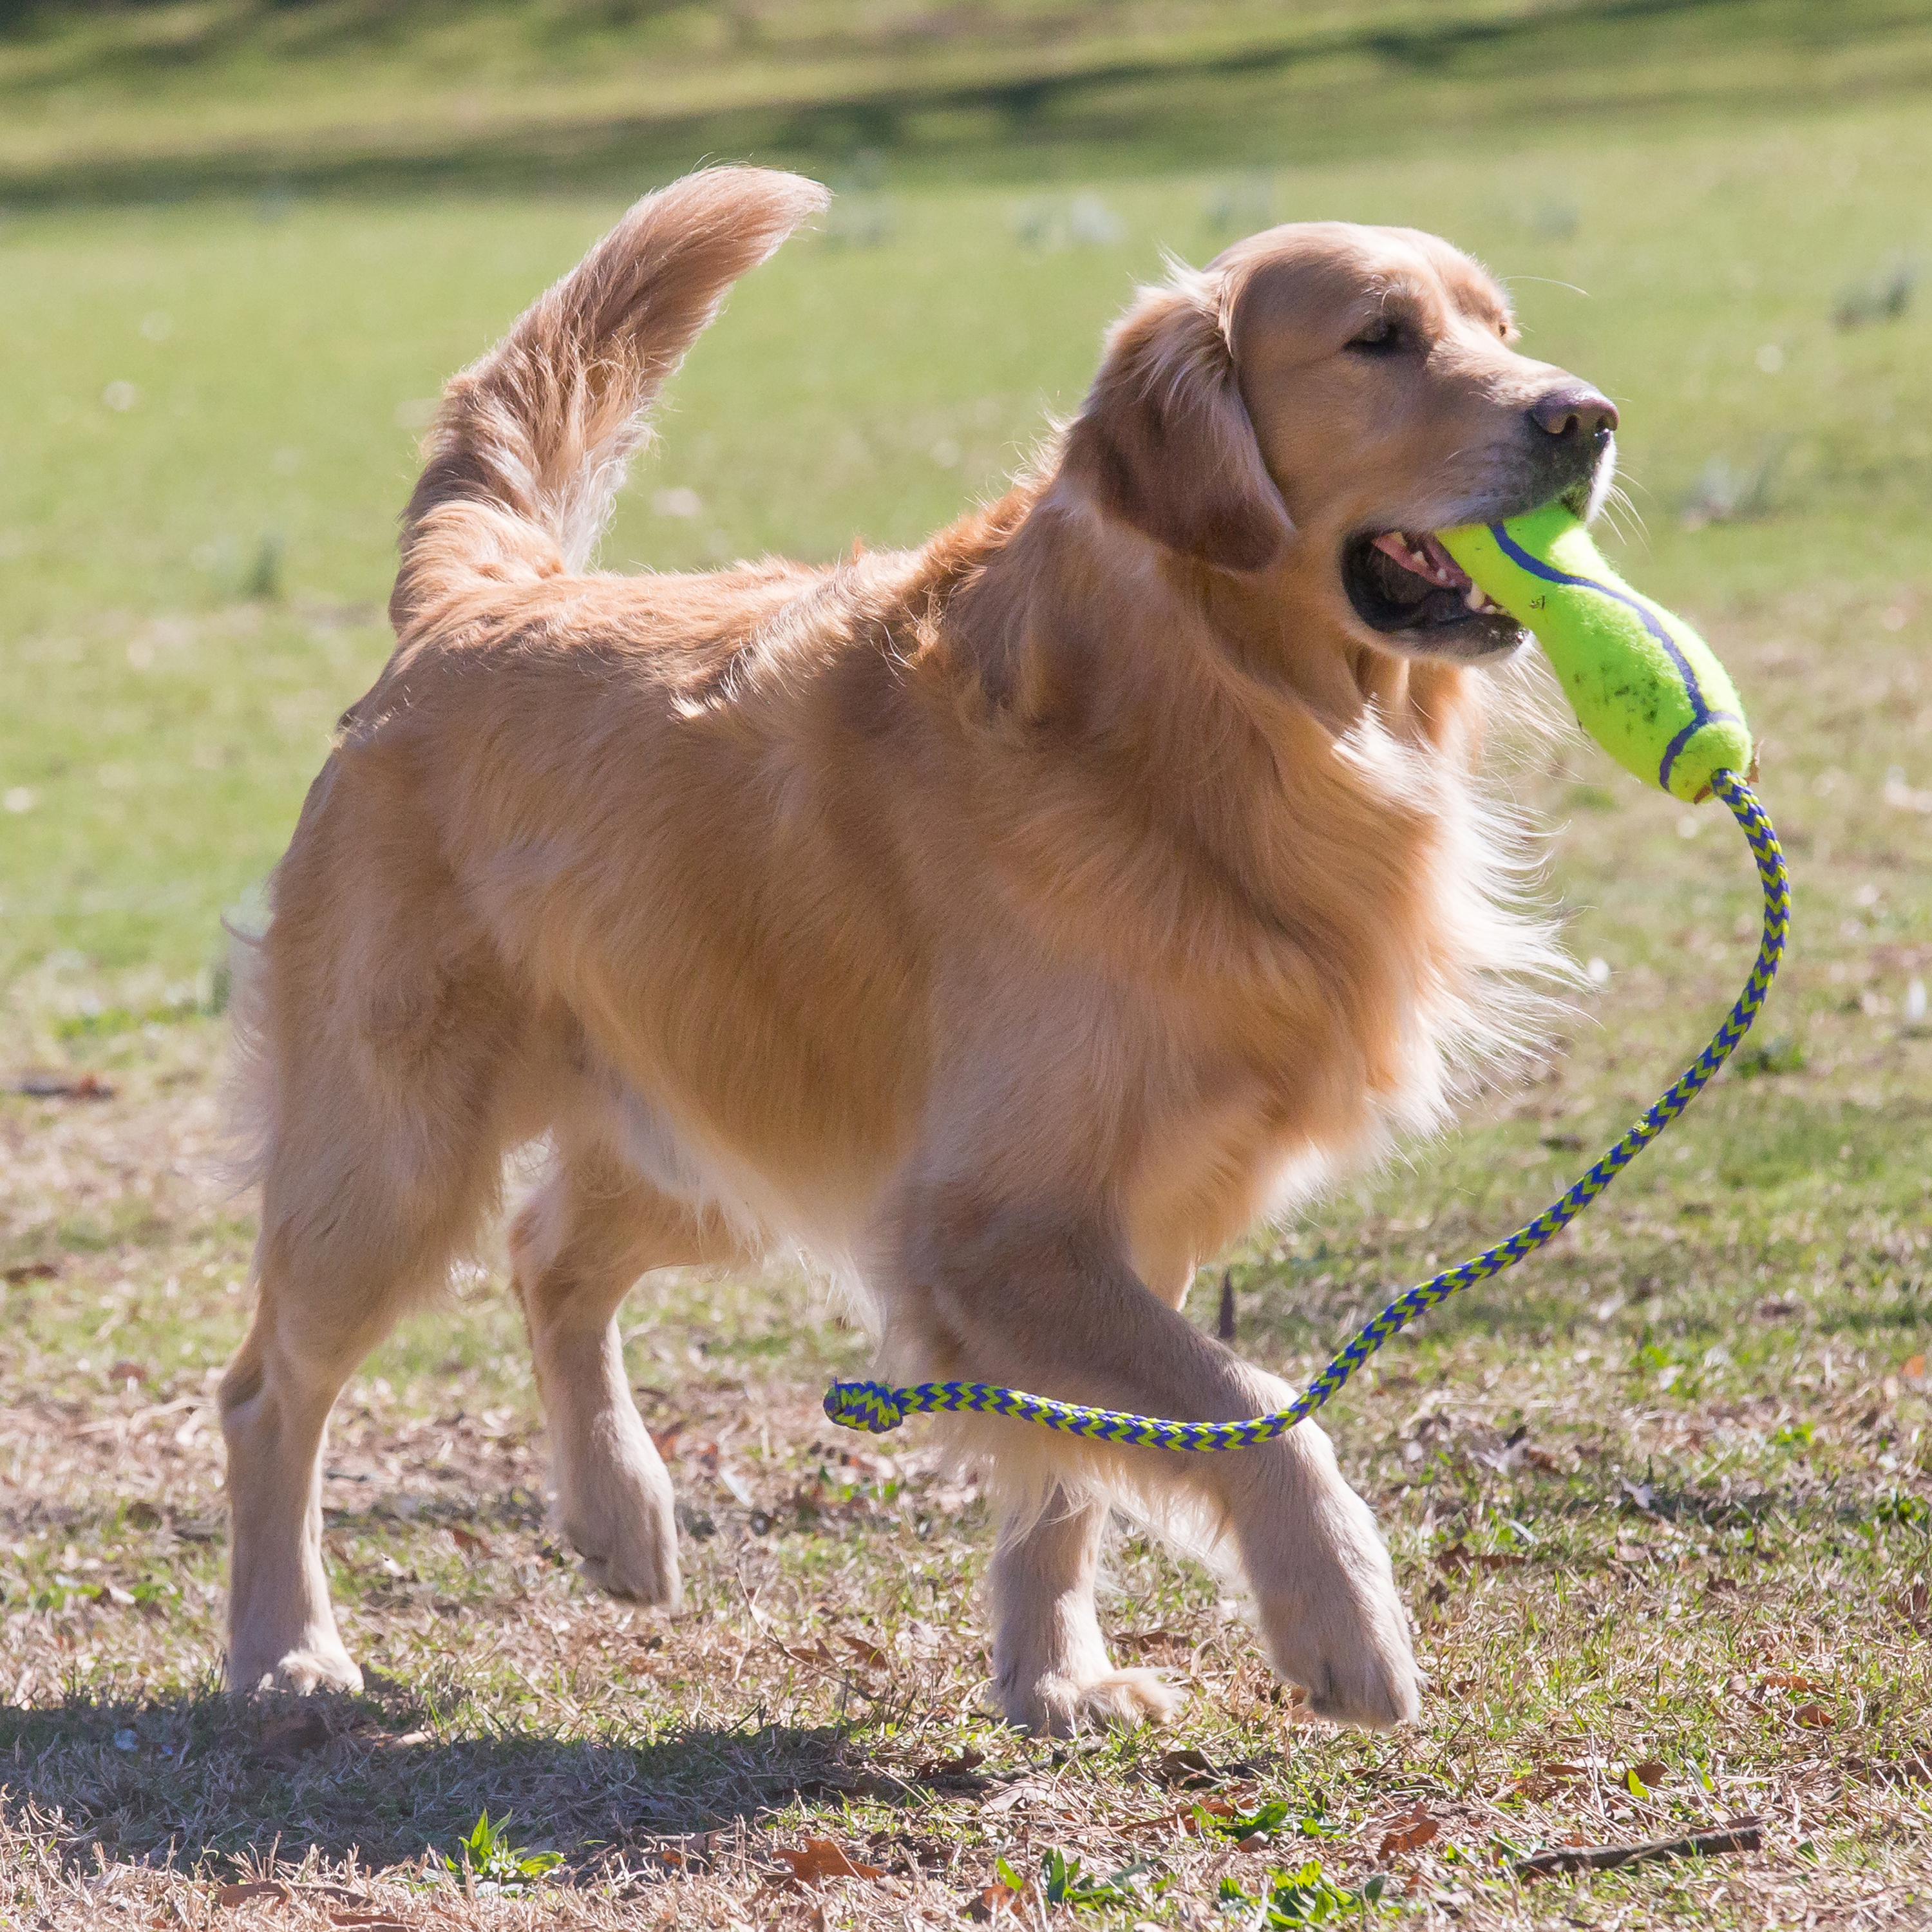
x: 242, y: 243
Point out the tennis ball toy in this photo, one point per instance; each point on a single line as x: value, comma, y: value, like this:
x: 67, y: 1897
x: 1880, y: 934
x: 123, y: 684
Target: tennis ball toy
x: 1644, y: 685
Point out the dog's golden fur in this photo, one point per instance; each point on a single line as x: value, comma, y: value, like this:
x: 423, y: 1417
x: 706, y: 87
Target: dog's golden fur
x: 1006, y: 924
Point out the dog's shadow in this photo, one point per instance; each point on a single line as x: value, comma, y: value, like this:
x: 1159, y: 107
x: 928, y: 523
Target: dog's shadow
x: 202, y: 1781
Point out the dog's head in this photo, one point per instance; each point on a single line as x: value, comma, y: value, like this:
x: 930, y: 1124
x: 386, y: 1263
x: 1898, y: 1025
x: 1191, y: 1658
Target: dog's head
x: 1318, y: 402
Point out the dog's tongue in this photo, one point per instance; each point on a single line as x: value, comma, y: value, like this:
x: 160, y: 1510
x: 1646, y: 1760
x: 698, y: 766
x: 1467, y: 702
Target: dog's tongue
x: 1425, y: 556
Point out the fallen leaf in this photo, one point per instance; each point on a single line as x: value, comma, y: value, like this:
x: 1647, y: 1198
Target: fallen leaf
x: 967, y: 1761
x: 31, y: 1271
x: 1409, y: 1833
x: 469, y: 1542
x: 1791, y: 1680
x: 1914, y: 1369
x: 258, y: 1888
x: 1651, y: 1773
x: 128, y: 1372
x: 994, y: 1900
x: 1187, y: 1769
x: 1814, y: 1717
x: 1457, y: 1557
x: 1013, y: 1795
x: 1159, y: 1638
x: 1741, y: 1689
x: 864, y: 1648
x: 818, y: 1654
x: 820, y: 1858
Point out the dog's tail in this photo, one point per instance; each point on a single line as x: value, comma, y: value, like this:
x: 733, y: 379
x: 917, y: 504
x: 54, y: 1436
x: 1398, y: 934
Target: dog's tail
x: 529, y: 445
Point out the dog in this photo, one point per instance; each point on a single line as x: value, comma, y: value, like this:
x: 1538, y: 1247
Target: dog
x: 1007, y: 924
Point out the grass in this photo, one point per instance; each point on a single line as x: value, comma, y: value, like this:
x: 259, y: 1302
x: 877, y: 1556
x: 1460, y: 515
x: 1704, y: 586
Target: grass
x: 1661, y: 1505
x: 131, y: 102
x: 215, y: 384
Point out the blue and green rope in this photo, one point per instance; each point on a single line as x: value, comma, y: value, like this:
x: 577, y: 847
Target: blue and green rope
x: 878, y: 1407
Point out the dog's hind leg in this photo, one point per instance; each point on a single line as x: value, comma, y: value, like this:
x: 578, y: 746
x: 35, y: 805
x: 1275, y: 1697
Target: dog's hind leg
x: 1051, y: 1669
x: 275, y: 1400
x: 586, y: 1236
x: 388, y: 1103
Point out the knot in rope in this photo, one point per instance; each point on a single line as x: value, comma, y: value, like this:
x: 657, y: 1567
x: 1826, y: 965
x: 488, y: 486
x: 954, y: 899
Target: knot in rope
x: 868, y: 1406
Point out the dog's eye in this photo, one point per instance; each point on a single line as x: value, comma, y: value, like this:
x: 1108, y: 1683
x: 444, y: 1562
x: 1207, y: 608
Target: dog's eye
x: 1380, y: 337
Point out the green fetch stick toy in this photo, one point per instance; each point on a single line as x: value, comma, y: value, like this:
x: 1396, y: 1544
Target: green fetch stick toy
x: 1650, y: 691
x: 1644, y: 685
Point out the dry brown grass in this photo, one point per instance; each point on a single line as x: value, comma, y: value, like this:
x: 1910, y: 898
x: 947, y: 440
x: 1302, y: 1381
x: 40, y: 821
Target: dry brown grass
x: 1660, y: 1506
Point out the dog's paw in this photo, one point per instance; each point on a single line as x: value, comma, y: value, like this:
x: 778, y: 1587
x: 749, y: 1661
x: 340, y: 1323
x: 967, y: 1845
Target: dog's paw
x: 314, y: 1666
x: 638, y: 1579
x: 615, y: 1509
x: 1348, y: 1650
x: 1377, y: 1687
x: 1325, y: 1590
x: 1058, y: 1706
x: 633, y: 1555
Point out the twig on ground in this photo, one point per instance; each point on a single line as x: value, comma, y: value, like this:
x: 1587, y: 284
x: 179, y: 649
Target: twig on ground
x: 1740, y: 1835
x: 61, y: 1086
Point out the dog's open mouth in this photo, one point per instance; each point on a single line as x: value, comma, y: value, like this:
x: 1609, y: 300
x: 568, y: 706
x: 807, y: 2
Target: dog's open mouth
x: 1405, y: 585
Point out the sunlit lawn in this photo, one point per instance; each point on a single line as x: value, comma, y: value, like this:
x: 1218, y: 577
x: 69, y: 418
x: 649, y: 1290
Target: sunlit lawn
x: 1660, y: 1506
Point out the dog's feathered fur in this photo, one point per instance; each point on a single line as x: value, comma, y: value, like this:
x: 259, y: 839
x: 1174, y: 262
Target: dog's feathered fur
x: 1007, y: 924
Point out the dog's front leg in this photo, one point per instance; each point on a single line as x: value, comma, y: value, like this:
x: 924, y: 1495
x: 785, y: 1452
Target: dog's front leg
x: 1025, y: 1296
x: 1051, y: 1669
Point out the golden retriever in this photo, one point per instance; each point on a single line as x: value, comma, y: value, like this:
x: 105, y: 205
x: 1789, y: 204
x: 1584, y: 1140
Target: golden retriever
x: 1006, y: 924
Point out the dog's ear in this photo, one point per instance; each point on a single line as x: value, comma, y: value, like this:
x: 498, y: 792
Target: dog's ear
x: 1164, y: 442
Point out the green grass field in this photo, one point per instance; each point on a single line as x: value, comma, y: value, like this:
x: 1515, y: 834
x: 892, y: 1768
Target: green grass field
x: 1661, y: 1506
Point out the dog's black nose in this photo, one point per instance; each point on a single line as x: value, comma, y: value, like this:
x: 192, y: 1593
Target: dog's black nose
x: 1579, y: 410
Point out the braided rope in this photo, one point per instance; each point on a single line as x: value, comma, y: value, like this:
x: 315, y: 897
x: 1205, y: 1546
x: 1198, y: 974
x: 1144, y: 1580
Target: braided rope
x: 875, y: 1407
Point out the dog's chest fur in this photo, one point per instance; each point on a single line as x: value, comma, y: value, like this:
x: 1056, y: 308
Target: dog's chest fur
x: 1276, y: 997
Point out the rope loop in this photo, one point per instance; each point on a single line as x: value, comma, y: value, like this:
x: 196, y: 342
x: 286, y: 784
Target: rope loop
x: 872, y: 1406
x: 878, y: 1409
